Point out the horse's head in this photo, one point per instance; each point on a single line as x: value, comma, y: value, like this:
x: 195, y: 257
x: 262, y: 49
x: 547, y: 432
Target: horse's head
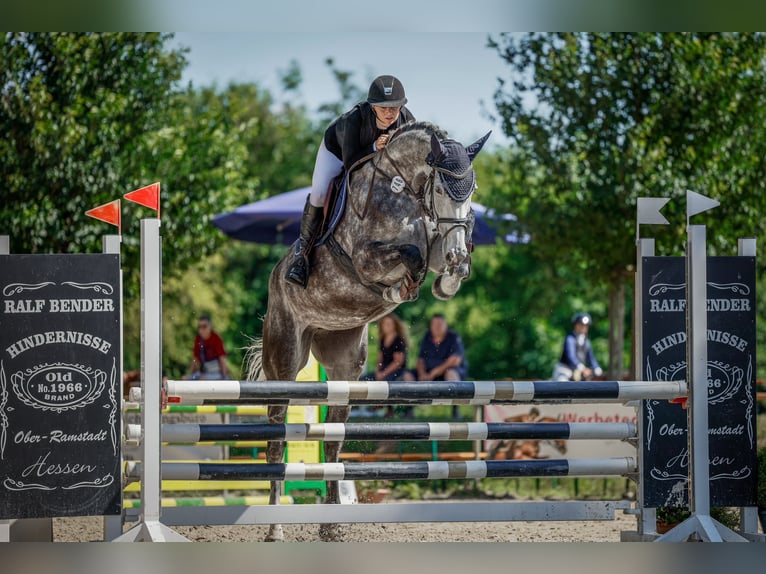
x: 448, y: 201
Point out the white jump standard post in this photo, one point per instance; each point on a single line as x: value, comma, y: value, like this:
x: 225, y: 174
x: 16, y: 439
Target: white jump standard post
x: 700, y: 523
x: 150, y: 529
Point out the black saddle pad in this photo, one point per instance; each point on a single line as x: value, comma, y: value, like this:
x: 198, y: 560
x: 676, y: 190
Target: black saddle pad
x: 335, y: 207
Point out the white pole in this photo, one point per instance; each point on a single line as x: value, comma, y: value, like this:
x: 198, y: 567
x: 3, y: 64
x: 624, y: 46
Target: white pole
x: 151, y: 529
x: 696, y: 366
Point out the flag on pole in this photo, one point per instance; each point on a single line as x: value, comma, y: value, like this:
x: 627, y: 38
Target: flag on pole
x: 109, y: 213
x: 698, y: 203
x: 148, y: 196
x: 648, y: 209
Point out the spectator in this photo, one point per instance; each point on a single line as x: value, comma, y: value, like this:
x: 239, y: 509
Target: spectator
x: 577, y: 360
x: 392, y: 354
x: 442, y: 356
x: 209, y: 355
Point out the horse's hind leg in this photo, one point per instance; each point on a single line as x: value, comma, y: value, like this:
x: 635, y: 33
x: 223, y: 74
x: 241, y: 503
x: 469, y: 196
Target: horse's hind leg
x: 343, y: 354
x: 285, y: 350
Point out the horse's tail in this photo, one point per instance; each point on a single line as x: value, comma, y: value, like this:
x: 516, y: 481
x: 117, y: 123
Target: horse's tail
x: 252, y: 364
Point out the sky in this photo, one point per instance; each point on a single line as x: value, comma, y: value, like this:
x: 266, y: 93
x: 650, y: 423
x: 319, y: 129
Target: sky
x: 446, y: 76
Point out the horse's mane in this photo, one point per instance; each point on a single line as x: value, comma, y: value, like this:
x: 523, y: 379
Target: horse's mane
x: 427, y: 127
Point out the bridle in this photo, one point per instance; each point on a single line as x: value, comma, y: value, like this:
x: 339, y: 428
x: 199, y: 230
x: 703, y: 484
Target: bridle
x: 425, y: 197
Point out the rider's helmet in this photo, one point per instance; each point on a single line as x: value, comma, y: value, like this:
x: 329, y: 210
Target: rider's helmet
x: 386, y: 92
x: 583, y: 318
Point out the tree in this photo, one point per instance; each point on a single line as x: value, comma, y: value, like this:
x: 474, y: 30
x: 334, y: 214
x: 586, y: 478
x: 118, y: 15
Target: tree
x: 618, y: 116
x: 73, y: 108
x: 88, y: 117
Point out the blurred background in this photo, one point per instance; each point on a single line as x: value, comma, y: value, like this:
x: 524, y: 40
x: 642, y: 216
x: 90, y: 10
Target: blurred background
x: 583, y: 124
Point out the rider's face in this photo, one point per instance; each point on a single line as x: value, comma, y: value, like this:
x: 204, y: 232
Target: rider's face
x: 385, y: 116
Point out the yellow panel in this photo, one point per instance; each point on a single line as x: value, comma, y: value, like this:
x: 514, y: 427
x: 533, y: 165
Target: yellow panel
x: 304, y: 451
x: 178, y: 485
x: 310, y: 372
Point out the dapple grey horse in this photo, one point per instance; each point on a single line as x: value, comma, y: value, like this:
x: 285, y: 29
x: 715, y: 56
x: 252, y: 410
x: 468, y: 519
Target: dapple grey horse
x: 408, y: 211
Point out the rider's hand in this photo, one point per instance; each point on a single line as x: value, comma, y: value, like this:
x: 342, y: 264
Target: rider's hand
x: 381, y: 142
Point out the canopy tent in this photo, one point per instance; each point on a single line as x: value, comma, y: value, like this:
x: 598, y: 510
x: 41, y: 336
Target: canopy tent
x: 277, y: 220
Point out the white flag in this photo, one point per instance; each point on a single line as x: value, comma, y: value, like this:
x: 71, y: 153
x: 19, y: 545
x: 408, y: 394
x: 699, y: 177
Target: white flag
x: 648, y: 210
x: 697, y: 203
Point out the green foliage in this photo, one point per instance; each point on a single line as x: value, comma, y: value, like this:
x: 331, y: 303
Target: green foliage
x: 619, y: 116
x: 74, y: 109
x: 349, y: 93
x: 88, y: 117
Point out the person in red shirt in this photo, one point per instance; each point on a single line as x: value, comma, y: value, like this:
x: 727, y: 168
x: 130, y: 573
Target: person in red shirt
x: 209, y: 360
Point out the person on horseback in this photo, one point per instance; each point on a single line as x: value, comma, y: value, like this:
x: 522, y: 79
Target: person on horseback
x: 358, y: 133
x: 577, y: 360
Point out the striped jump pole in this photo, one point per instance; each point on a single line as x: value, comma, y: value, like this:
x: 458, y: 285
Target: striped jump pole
x: 428, y: 470
x: 417, y: 431
x: 433, y: 393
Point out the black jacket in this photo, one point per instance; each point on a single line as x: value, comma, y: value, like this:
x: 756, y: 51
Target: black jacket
x: 350, y: 137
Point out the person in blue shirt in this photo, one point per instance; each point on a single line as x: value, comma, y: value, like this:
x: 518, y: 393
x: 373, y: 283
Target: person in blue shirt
x: 441, y: 357
x: 577, y: 361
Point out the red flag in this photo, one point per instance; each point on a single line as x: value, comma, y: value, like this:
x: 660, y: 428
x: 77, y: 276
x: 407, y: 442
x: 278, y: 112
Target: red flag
x: 148, y: 196
x: 109, y: 212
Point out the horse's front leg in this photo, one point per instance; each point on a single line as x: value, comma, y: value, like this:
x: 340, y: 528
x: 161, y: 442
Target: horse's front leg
x: 451, y: 270
x: 377, y: 260
x: 337, y: 414
x: 275, y: 451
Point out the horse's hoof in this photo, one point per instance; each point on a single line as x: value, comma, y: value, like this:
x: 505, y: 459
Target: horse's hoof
x: 393, y: 294
x: 438, y: 291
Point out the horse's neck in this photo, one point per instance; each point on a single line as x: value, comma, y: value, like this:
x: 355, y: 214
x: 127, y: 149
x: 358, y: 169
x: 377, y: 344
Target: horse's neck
x: 403, y: 157
x: 408, y: 153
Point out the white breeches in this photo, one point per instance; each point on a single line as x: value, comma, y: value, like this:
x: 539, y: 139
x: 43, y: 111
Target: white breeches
x: 326, y: 167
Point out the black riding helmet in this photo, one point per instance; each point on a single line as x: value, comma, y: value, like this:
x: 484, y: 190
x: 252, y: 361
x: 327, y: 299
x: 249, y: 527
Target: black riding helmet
x: 386, y: 92
x: 583, y: 318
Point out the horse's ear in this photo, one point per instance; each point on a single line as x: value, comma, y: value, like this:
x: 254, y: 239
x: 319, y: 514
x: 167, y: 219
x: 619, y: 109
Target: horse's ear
x: 437, y: 149
x: 474, y: 149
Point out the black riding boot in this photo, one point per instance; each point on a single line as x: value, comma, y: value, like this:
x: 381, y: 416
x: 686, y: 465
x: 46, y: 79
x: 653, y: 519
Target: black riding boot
x: 311, y: 223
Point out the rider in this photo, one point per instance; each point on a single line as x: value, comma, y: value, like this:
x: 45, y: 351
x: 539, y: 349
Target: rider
x: 577, y: 360
x: 359, y: 132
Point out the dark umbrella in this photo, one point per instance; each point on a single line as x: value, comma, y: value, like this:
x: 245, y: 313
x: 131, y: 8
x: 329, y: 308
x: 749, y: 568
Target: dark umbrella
x: 277, y: 220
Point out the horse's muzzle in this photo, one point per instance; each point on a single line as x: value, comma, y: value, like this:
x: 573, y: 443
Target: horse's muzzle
x: 456, y: 256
